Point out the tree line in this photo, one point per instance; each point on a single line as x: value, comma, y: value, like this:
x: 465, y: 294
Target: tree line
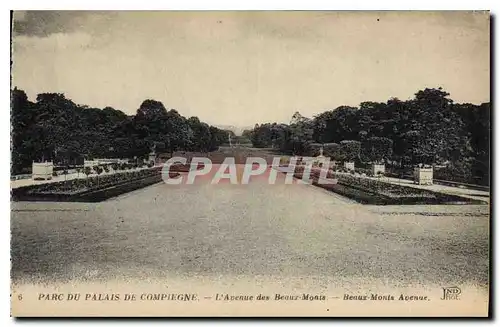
x: 427, y: 129
x: 55, y: 128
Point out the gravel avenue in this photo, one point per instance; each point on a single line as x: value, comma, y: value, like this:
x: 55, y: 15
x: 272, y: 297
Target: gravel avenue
x: 248, y: 230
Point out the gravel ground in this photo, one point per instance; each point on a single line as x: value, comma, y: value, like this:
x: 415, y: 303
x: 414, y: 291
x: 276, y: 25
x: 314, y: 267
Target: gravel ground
x: 249, y: 230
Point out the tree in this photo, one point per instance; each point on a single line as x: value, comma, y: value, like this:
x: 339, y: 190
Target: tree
x: 429, y: 128
x: 476, y: 119
x: 55, y: 122
x: 335, y: 125
x: 177, y: 133
x: 151, y: 110
x: 98, y: 170
x: 200, y: 135
x: 23, y: 142
x: 434, y: 132
x: 218, y: 137
x: 87, y: 171
x: 350, y: 150
x: 65, y: 172
x: 377, y: 149
x: 301, y: 134
x: 55, y: 128
x: 332, y: 150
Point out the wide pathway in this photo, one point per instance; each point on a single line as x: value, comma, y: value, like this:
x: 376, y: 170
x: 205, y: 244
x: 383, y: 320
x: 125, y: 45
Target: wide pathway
x: 247, y: 230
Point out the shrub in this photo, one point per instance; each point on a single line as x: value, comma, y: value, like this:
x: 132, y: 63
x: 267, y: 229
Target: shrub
x: 377, y: 149
x: 98, y: 170
x: 332, y: 150
x: 350, y: 150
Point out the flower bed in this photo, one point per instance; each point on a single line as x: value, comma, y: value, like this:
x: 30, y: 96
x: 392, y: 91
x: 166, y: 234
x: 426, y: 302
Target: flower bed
x: 92, y: 188
x: 185, y: 168
x: 372, y: 191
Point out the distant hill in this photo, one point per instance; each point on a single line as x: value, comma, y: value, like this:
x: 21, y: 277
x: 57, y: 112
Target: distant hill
x: 236, y: 130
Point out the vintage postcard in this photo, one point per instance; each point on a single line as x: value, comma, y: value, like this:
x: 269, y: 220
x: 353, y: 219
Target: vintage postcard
x: 250, y: 163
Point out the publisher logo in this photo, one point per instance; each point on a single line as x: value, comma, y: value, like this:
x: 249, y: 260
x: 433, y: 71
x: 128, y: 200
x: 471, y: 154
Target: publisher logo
x: 451, y: 293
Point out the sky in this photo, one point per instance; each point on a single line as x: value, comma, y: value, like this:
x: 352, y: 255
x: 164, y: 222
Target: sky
x: 242, y: 68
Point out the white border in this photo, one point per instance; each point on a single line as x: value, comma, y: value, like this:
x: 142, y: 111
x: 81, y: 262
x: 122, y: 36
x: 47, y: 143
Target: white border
x: 187, y: 5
